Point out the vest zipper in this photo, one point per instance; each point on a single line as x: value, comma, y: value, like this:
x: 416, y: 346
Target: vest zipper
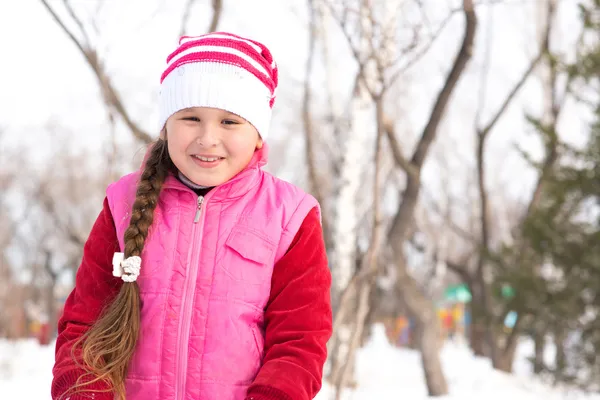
x: 188, y: 295
x: 198, y: 209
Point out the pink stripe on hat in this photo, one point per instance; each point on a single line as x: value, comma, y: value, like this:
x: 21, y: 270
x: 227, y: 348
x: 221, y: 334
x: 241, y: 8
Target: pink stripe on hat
x: 220, y: 70
x: 223, y: 57
x: 243, y: 47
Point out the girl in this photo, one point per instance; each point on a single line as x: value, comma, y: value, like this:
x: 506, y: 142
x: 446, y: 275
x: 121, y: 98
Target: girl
x: 204, y: 277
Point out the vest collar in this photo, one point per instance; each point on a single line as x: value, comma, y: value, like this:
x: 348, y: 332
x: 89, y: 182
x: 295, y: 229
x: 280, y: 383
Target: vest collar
x: 237, y: 186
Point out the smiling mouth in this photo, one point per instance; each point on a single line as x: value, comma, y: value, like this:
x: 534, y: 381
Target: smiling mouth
x: 207, y: 159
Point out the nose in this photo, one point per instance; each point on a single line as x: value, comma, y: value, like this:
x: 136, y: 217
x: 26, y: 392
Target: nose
x: 208, y: 135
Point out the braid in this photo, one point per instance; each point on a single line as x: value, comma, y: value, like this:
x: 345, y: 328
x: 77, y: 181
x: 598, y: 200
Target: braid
x: 146, y: 198
x: 108, y: 346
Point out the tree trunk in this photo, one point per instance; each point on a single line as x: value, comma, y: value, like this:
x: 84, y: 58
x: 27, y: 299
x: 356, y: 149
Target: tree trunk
x: 340, y: 363
x: 428, y: 334
x: 504, y: 356
x: 478, y: 331
x: 369, y: 265
x: 419, y: 307
x: 373, y: 314
x: 503, y: 363
x: 561, y: 357
x: 426, y: 331
x: 540, y: 345
x: 477, y: 339
x: 339, y: 343
x: 346, y: 375
x: 51, y: 310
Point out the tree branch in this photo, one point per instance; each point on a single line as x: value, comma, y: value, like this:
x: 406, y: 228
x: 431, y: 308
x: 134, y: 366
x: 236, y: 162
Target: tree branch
x: 109, y: 93
x: 485, y: 130
x: 457, y: 229
x: 66, y: 30
x: 406, y: 208
x: 77, y: 20
x: 399, y: 158
x: 361, y: 59
x: 461, y: 270
x: 48, y: 265
x: 419, y: 54
x: 51, y: 209
x: 543, y: 51
x: 217, y: 10
x: 443, y: 98
x: 554, y: 112
x: 482, y: 135
x: 485, y: 69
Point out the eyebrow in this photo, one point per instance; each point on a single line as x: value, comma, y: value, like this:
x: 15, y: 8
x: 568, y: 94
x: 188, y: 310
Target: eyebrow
x: 225, y: 113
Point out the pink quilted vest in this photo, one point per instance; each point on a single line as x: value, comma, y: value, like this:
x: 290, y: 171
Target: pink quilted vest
x: 205, y: 281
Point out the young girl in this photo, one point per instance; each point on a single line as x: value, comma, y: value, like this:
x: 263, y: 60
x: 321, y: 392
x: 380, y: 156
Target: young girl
x: 204, y: 277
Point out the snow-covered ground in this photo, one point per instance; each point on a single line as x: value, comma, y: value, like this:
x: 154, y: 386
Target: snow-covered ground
x: 383, y: 373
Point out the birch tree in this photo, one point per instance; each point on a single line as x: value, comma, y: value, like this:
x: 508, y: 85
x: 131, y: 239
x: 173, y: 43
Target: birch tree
x: 371, y: 35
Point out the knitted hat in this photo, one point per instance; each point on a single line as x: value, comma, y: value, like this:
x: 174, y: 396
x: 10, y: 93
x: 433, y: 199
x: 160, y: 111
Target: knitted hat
x: 220, y: 70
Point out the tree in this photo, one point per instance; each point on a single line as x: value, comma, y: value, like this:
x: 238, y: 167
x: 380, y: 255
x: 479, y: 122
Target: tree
x: 370, y: 31
x: 494, y: 265
x: 419, y: 306
x: 81, y: 36
x: 564, y: 229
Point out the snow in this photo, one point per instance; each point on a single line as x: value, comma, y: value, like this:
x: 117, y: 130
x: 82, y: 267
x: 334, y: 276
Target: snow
x: 25, y: 370
x: 383, y: 372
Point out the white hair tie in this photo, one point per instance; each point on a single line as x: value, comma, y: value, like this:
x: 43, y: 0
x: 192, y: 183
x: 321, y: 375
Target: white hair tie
x: 127, y: 269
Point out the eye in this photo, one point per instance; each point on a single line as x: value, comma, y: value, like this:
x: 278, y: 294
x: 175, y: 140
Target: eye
x: 230, y: 122
x: 194, y: 119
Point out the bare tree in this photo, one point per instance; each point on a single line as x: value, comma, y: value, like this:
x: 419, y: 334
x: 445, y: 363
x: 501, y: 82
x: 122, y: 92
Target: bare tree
x: 481, y: 294
x: 62, y: 202
x: 354, y: 270
x: 487, y: 315
x: 370, y: 263
x: 373, y: 48
x: 315, y: 178
x: 79, y: 35
x: 345, y: 229
x: 421, y: 308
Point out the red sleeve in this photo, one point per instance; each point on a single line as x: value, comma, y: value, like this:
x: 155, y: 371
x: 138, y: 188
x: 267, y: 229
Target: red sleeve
x: 94, y: 288
x: 298, y: 320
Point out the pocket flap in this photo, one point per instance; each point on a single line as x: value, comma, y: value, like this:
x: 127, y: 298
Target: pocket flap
x: 251, y: 245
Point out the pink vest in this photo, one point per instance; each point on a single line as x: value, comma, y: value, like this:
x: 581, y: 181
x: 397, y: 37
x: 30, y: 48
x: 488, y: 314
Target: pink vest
x: 205, y: 281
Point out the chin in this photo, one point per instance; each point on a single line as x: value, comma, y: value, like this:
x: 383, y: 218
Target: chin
x: 208, y: 182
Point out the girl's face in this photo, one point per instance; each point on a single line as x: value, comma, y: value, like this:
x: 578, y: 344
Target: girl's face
x: 209, y: 145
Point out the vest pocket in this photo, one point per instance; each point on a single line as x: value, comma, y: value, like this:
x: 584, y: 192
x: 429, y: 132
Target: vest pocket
x: 248, y: 256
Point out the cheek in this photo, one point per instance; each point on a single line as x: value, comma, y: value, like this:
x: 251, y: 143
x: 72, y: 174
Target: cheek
x: 178, y: 141
x: 241, y: 148
x: 241, y: 144
x: 174, y: 147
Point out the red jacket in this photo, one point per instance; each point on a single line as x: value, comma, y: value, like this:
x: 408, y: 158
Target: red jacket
x: 300, y: 295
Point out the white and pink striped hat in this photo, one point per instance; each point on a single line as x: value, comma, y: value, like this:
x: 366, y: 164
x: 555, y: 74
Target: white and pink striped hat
x: 220, y: 70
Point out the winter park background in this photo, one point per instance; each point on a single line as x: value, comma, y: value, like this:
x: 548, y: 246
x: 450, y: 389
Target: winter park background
x: 454, y: 146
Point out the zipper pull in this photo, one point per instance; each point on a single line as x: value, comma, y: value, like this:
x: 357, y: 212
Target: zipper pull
x: 200, y: 201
